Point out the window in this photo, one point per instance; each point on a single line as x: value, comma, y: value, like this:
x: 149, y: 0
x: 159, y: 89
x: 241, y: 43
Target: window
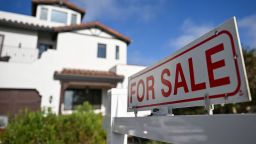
x: 73, y: 19
x: 1, y: 44
x: 44, y: 13
x: 42, y: 47
x: 75, y: 97
x: 58, y: 16
x: 117, y: 52
x: 102, y: 48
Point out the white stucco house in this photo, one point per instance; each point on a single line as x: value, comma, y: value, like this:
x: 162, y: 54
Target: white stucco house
x: 52, y: 59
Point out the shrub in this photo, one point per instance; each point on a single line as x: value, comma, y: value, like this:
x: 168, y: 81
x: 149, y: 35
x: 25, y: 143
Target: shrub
x: 81, y: 127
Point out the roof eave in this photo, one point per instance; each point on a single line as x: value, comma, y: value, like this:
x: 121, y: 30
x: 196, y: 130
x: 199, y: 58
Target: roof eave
x: 68, y: 77
x: 26, y: 25
x: 93, y: 25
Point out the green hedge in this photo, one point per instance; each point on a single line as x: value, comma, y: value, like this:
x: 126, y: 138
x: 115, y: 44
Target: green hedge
x: 81, y: 127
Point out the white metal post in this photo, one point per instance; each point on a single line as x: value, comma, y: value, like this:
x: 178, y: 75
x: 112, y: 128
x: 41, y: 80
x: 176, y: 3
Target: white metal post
x: 117, y: 108
x: 208, y: 106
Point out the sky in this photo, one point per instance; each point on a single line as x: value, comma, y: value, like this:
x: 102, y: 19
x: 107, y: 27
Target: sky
x: 158, y: 28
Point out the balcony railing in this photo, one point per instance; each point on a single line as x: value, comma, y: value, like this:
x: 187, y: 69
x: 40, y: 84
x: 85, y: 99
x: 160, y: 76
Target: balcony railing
x: 20, y: 54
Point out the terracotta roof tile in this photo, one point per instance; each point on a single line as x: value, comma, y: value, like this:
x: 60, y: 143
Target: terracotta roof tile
x: 93, y: 25
x: 24, y: 23
x: 89, y: 73
x: 59, y: 2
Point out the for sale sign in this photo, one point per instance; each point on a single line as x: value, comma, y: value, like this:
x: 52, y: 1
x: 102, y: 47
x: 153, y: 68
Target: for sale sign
x: 210, y: 67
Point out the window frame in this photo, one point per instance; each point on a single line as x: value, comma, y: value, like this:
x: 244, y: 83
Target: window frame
x: 117, y: 54
x: 98, y: 51
x: 92, y: 96
x: 47, y: 13
x: 71, y: 20
x: 2, y: 44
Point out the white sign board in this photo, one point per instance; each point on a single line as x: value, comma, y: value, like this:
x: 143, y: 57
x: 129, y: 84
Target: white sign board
x: 195, y: 129
x: 210, y: 67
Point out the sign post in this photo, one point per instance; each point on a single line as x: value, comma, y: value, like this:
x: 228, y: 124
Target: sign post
x: 209, y: 70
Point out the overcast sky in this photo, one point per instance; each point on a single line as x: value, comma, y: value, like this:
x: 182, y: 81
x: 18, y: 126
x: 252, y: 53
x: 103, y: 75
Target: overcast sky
x: 160, y: 27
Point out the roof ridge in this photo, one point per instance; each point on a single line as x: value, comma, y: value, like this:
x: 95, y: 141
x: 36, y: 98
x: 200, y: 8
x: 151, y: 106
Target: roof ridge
x: 92, y: 24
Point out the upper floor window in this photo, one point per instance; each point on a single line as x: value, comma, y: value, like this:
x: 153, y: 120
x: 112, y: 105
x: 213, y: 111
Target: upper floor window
x: 44, y: 13
x: 73, y: 19
x: 102, y: 49
x: 59, y: 16
x: 117, y: 52
x: 1, y: 43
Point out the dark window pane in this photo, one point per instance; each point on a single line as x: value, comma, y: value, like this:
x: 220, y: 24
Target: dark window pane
x: 1, y: 44
x: 73, y: 19
x: 42, y: 47
x: 117, y: 52
x: 102, y: 50
x: 75, y: 97
x: 96, y: 101
x: 44, y: 13
x: 58, y: 16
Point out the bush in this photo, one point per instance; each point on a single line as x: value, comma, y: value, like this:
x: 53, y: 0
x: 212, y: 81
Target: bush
x: 81, y: 127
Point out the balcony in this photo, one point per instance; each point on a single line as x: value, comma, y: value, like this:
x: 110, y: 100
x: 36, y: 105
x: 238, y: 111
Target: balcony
x: 19, y: 54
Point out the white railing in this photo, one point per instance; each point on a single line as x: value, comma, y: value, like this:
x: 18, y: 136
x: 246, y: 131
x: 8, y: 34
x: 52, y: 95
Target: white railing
x: 20, y: 55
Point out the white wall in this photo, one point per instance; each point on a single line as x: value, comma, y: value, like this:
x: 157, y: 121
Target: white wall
x: 126, y: 70
x: 104, y: 101
x: 19, y: 44
x: 78, y: 50
x: 37, y: 75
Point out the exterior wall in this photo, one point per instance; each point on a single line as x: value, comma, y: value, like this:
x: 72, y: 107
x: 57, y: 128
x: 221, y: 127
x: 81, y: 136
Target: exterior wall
x: 104, y: 101
x: 118, y: 106
x: 62, y: 9
x: 19, y: 44
x: 78, y: 50
x: 37, y: 75
x: 126, y: 70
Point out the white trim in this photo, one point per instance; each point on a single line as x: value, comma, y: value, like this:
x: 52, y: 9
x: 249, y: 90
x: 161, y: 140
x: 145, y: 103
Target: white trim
x: 69, y: 12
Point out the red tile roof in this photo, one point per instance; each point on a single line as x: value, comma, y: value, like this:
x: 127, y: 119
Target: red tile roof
x: 58, y: 2
x: 19, y: 23
x: 89, y: 73
x: 88, y: 25
x: 93, y: 25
